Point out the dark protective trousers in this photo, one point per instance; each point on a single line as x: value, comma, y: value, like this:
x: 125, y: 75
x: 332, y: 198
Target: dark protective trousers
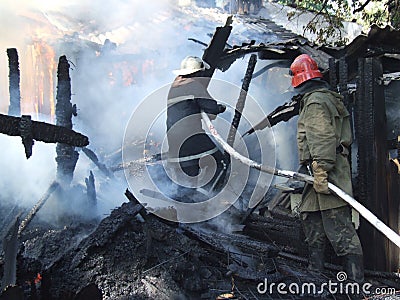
x: 336, y: 226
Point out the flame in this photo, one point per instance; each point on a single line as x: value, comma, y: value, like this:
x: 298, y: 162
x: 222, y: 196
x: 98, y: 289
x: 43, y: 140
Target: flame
x: 37, y: 83
x: 38, y: 278
x: 123, y: 73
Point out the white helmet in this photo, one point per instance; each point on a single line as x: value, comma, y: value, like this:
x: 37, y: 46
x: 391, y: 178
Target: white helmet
x: 191, y: 64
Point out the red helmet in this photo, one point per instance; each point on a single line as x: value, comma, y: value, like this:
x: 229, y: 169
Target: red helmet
x: 302, y: 69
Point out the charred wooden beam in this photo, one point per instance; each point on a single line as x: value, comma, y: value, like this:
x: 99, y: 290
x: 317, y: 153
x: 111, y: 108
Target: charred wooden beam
x: 212, y: 54
x: 133, y: 199
x: 107, y: 230
x: 10, y: 247
x: 67, y: 157
x: 25, y: 126
x: 227, y: 243
x: 242, y: 99
x: 40, y: 131
x: 287, y: 233
x: 14, y: 83
x: 91, y: 190
x: 53, y: 187
x: 102, y: 167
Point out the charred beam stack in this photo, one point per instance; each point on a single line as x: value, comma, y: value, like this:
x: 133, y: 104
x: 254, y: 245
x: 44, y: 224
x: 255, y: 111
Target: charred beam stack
x: 67, y: 157
x: 14, y: 87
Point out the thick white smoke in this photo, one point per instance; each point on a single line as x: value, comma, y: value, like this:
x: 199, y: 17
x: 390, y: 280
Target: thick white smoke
x: 146, y: 42
x: 119, y: 52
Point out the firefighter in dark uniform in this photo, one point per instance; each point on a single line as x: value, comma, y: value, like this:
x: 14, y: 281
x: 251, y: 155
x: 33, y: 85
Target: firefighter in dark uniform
x: 187, y: 141
x: 323, y: 138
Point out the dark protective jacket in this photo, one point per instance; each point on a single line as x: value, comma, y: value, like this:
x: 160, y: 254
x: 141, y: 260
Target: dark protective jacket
x: 323, y: 126
x: 187, y: 141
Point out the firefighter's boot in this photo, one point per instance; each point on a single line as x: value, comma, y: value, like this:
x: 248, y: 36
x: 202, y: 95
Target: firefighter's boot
x: 316, y: 259
x: 354, y: 267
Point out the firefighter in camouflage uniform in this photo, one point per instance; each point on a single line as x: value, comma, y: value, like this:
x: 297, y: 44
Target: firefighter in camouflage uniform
x: 323, y: 138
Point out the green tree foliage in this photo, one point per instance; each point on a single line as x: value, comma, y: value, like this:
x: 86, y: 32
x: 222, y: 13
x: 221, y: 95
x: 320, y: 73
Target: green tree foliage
x: 335, y: 12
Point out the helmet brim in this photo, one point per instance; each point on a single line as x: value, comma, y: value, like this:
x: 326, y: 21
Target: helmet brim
x: 206, y: 66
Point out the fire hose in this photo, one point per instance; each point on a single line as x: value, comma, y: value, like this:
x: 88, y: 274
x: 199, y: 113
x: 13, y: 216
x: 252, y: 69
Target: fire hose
x: 367, y: 214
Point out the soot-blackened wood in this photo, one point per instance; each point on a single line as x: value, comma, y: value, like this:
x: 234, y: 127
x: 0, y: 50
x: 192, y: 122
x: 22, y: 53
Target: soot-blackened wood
x: 212, y: 54
x: 332, y: 72
x: 287, y: 233
x: 91, y: 190
x: 371, y: 188
x: 10, y: 247
x: 14, y: 83
x: 393, y: 178
x: 223, y: 242
x: 53, y: 187
x: 102, y: 167
x: 33, y: 130
x: 67, y: 157
x: 242, y: 99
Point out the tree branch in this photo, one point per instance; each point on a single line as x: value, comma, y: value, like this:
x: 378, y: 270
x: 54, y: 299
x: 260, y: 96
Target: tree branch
x: 316, y: 15
x: 360, y: 8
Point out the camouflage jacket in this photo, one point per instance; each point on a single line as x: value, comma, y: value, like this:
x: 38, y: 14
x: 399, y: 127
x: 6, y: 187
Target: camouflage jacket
x: 324, y: 125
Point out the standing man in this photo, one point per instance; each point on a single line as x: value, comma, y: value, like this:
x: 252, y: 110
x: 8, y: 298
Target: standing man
x: 324, y: 138
x: 187, y: 141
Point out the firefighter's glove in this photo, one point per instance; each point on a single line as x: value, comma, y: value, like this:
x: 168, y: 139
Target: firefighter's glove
x: 320, y: 179
x: 221, y: 108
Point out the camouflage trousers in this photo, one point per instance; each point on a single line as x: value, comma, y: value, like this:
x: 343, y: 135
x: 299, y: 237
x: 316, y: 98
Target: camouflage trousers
x: 332, y: 224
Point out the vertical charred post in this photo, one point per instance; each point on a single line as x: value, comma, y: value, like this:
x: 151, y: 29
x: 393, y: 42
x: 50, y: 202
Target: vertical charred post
x: 242, y: 99
x: 14, y: 80
x: 343, y: 81
x: 91, y: 190
x: 373, y: 166
x: 332, y: 72
x: 67, y: 157
x: 10, y: 247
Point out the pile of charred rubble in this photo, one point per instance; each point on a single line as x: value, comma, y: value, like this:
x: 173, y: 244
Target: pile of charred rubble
x: 133, y: 254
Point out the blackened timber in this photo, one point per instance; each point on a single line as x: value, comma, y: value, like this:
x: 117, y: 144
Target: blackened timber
x: 91, y: 190
x: 229, y: 242
x: 102, y: 167
x: 372, y: 186
x: 41, y: 131
x: 14, y: 83
x: 107, y: 230
x: 10, y: 247
x: 67, y: 157
x: 26, y: 134
x: 285, y: 233
x: 212, y: 54
x: 53, y: 187
x: 242, y: 99
x: 133, y: 200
